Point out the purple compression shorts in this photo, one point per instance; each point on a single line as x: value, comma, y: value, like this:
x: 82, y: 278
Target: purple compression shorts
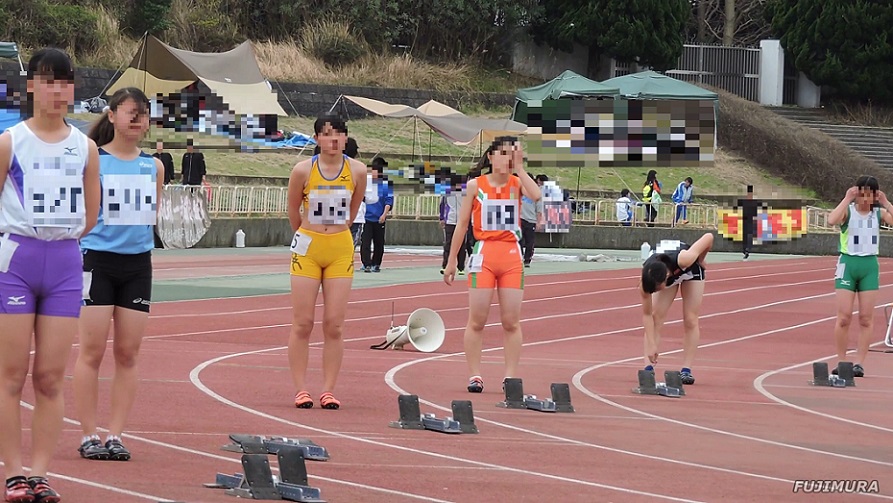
x: 41, y: 277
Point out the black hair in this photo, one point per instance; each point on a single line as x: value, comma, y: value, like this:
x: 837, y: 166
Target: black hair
x: 624, y: 192
x: 484, y: 161
x: 654, y: 273
x: 868, y: 182
x: 689, y: 180
x: 51, y: 62
x: 351, y: 149
x: 652, y: 176
x: 337, y: 123
x: 103, y: 131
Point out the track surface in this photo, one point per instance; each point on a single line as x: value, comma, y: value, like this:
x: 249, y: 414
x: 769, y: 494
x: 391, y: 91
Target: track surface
x: 748, y: 428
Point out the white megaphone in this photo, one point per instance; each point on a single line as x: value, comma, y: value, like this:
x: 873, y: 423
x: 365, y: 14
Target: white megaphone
x: 424, y: 330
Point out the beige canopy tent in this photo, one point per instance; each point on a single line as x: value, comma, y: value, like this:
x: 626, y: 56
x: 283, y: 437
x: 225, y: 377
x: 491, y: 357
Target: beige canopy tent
x: 448, y: 122
x: 234, y: 76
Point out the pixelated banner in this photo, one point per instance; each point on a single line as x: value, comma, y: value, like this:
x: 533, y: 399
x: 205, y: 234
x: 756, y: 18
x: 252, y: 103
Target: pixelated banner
x: 571, y: 133
x: 557, y: 212
x: 772, y: 225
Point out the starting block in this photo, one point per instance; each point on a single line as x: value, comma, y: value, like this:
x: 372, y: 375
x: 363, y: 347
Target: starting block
x: 844, y: 377
x: 411, y: 417
x: 516, y: 399
x: 672, y: 387
x: 258, y: 483
x: 256, y: 444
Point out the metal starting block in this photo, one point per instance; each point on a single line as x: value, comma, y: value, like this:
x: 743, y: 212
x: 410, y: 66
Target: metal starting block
x: 411, y: 417
x: 258, y: 482
x: 821, y: 377
x: 256, y: 444
x: 516, y: 399
x: 671, y: 388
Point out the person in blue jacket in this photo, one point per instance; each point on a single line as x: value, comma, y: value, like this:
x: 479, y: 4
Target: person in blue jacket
x: 683, y: 196
x: 379, y: 202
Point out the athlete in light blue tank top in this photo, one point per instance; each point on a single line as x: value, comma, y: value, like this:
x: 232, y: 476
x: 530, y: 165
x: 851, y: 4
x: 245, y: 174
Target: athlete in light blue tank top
x: 128, y: 210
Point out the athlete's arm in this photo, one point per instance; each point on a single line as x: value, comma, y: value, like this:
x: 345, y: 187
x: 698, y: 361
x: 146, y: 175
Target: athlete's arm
x: 358, y: 172
x: 696, y: 252
x: 648, y: 324
x: 528, y: 186
x: 296, y: 182
x: 887, y: 208
x: 838, y: 214
x: 92, y: 187
x: 159, y: 182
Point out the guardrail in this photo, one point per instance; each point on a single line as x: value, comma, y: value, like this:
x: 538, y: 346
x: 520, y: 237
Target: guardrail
x: 263, y: 201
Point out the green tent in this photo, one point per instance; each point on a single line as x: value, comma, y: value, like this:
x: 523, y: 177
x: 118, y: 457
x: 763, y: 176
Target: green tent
x: 567, y: 85
x: 651, y: 85
x: 11, y: 50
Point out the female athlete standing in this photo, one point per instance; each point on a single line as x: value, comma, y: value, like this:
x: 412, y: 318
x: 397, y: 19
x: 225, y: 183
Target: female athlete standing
x: 859, y: 215
x: 118, y: 265
x: 49, y: 174
x: 496, y: 261
x: 324, y: 195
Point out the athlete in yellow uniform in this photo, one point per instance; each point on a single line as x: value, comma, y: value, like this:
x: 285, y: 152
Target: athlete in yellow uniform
x: 324, y: 195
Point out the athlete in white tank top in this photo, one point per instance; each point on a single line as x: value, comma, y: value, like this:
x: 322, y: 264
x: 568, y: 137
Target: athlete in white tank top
x: 43, y: 196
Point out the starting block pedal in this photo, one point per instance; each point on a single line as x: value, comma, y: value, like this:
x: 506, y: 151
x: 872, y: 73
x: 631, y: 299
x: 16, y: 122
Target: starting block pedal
x: 258, y: 482
x: 673, y: 386
x: 256, y: 444
x: 516, y: 399
x: 821, y: 377
x: 411, y: 417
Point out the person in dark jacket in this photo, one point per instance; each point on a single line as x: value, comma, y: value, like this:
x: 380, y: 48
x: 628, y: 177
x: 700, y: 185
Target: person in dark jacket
x: 167, y: 161
x: 193, y: 166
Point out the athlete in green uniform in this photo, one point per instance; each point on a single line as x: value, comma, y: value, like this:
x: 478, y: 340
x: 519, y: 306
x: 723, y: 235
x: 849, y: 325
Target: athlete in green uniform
x: 859, y: 215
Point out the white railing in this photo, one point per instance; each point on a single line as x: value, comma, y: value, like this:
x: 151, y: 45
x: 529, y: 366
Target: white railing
x: 262, y: 201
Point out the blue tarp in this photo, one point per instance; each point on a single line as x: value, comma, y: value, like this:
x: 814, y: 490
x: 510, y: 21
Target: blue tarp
x: 297, y: 141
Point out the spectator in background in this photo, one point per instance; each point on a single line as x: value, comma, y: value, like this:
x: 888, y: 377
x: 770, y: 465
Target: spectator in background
x: 356, y: 228
x: 651, y: 197
x: 193, y: 165
x: 625, y: 208
x: 167, y: 161
x: 449, y: 212
x: 376, y: 214
x: 531, y: 216
x: 683, y: 196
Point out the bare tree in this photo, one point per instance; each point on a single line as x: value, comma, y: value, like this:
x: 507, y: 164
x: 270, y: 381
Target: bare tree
x: 747, y: 27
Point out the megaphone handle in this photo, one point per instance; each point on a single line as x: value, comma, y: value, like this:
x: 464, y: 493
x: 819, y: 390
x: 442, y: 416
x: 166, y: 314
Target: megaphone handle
x: 384, y: 345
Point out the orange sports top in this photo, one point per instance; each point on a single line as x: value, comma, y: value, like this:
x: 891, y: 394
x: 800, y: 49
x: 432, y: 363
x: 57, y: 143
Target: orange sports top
x: 496, y: 211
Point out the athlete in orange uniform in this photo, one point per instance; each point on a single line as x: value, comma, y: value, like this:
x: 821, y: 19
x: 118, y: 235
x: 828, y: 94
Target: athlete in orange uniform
x: 324, y: 195
x: 496, y: 261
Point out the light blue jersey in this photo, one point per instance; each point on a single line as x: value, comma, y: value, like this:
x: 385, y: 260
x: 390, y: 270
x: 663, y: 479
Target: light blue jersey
x: 129, y: 206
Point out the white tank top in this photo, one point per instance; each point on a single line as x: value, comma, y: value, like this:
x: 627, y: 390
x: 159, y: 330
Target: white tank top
x: 859, y: 234
x: 43, y: 196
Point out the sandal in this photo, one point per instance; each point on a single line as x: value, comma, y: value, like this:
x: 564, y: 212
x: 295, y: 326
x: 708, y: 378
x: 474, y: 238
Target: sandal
x: 303, y: 400
x: 328, y: 401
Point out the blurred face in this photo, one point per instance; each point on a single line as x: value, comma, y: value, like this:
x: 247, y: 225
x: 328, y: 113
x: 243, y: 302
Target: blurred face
x: 159, y: 146
x: 501, y: 158
x: 51, y: 96
x: 330, y: 140
x: 866, y: 197
x: 130, y: 121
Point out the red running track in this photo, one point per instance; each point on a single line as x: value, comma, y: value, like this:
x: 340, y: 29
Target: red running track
x: 748, y: 428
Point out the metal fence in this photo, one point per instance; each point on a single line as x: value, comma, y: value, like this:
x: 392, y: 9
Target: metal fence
x: 260, y: 201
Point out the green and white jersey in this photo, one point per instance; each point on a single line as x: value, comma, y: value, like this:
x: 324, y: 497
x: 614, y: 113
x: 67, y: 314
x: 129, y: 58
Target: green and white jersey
x: 859, y: 234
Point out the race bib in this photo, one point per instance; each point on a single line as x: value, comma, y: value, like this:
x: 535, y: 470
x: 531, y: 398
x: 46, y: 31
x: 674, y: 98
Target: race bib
x: 54, y: 194
x: 499, y: 215
x: 88, y: 283
x: 329, y: 206
x: 300, y: 244
x: 840, y: 270
x: 475, y: 263
x: 129, y: 200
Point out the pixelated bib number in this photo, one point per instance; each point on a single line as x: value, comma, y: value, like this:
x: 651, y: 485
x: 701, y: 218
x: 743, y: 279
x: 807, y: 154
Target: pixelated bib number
x: 499, y: 215
x: 129, y: 200
x: 329, y: 206
x: 54, y: 194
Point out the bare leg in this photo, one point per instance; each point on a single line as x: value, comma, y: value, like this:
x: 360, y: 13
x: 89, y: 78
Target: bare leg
x: 14, y: 363
x: 845, y: 299
x: 662, y: 300
x: 304, y: 292
x: 336, y: 292
x: 867, y: 300
x: 130, y: 325
x: 92, y: 340
x: 510, y: 310
x: 692, y: 295
x: 478, y: 310
x: 53, y: 337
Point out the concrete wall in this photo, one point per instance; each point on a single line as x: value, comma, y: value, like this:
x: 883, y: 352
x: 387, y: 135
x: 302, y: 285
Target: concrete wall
x: 277, y: 232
